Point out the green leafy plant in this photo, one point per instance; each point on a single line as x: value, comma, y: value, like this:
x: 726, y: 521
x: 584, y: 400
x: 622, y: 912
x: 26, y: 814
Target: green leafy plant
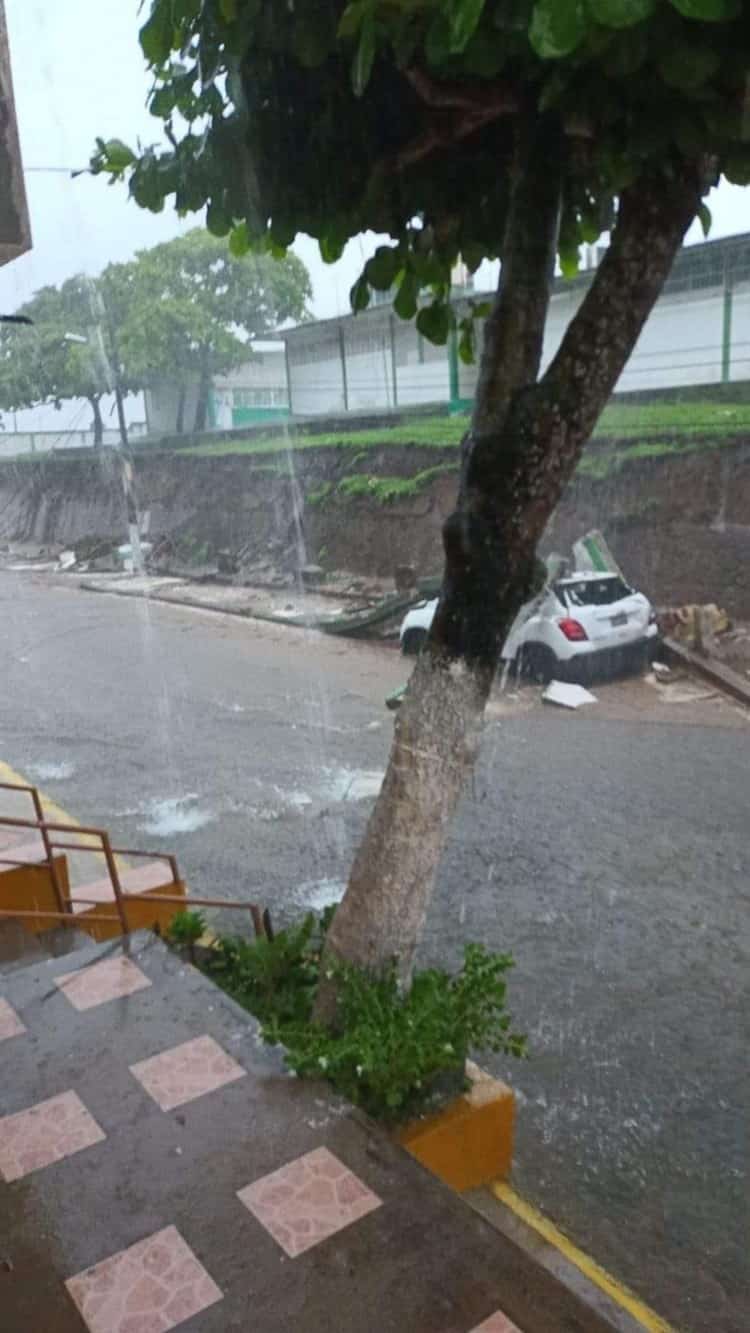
x: 275, y: 979
x: 386, y: 489
x: 320, y: 494
x: 391, y: 1052
x: 185, y: 929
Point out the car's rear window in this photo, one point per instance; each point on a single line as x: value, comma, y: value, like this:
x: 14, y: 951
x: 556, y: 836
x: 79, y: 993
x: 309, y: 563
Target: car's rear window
x: 592, y: 592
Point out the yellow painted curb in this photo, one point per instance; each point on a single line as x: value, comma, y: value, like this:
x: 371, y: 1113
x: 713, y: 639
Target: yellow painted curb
x: 626, y: 1299
x: 53, y: 813
x: 469, y: 1142
x: 30, y: 887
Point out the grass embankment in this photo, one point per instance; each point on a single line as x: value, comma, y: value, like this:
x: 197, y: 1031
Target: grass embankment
x: 631, y: 430
x: 625, y: 432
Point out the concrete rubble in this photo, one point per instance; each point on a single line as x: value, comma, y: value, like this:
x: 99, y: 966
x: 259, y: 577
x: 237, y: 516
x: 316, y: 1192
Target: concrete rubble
x: 566, y: 695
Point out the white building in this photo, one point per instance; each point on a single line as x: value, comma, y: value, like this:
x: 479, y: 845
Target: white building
x: 698, y: 334
x: 255, y: 391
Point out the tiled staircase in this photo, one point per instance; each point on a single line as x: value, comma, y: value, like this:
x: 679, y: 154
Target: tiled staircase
x: 157, y: 1167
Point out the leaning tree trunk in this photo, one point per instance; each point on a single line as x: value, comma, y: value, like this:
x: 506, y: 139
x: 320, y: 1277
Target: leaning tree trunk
x: 525, y: 439
x: 97, y: 423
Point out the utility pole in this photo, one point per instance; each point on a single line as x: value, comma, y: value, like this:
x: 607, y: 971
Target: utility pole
x: 127, y: 475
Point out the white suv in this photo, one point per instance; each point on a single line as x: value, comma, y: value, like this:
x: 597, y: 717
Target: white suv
x: 580, y: 623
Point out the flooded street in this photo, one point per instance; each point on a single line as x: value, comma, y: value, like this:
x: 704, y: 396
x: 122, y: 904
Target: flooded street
x: 606, y: 849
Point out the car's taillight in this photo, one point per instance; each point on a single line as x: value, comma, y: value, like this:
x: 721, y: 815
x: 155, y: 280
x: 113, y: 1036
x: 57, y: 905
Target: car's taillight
x: 573, y: 630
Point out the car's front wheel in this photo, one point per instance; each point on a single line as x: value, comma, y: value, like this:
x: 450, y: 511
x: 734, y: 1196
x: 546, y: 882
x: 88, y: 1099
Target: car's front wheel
x: 413, y: 642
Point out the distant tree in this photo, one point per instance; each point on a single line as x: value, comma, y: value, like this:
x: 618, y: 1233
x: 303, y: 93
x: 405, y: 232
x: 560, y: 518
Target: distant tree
x: 43, y: 363
x: 192, y: 310
x: 182, y: 311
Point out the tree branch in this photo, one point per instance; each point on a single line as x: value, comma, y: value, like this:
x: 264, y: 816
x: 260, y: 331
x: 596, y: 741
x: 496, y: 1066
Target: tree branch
x: 438, y: 135
x: 549, y: 423
x: 652, y: 220
x: 514, y: 331
x: 479, y: 105
x: 478, y: 96
x: 482, y: 570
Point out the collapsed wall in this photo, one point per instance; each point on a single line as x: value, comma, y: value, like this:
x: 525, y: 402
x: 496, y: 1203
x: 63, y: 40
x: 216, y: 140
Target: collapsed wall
x: 679, y: 523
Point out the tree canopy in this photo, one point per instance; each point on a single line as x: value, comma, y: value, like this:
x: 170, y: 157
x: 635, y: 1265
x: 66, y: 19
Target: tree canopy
x: 193, y: 308
x: 64, y: 353
x: 399, y: 116
x: 184, y: 310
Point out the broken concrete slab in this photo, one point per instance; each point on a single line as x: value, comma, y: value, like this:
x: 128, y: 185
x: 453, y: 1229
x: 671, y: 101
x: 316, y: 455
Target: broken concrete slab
x: 566, y: 695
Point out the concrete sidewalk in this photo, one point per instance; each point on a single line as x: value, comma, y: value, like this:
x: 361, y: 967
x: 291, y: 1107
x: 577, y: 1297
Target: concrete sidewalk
x: 158, y: 1168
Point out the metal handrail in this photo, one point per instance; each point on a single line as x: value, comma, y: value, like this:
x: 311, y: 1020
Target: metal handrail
x: 60, y: 899
x: 42, y: 826
x: 16, y: 913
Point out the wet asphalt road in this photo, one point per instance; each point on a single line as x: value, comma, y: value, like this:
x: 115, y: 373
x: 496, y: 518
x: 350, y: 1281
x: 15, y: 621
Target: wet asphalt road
x: 610, y: 851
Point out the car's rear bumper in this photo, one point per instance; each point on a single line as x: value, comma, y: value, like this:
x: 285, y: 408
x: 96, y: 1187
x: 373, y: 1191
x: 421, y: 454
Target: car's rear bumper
x: 626, y: 657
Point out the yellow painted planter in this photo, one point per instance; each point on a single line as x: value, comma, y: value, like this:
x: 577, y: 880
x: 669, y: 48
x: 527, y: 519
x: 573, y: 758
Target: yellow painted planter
x: 470, y: 1141
x: 28, y: 888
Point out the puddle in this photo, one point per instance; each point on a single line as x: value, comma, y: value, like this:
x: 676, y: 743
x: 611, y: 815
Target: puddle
x: 298, y: 800
x: 177, y: 814
x: 317, y: 894
x: 48, y: 772
x: 353, y: 784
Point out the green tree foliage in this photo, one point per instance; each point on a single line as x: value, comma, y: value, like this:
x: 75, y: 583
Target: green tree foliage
x: 181, y: 311
x: 398, y: 115
x: 41, y: 363
x: 193, y: 308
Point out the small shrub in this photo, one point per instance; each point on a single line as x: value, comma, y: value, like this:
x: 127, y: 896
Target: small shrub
x: 393, y: 1050
x: 320, y: 494
x: 275, y: 979
x: 185, y: 929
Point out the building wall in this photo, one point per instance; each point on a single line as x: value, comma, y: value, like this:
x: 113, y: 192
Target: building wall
x: 15, y: 232
x: 251, y: 392
x: 318, y: 383
x: 388, y: 365
x: 254, y: 391
x: 162, y: 403
x: 681, y: 344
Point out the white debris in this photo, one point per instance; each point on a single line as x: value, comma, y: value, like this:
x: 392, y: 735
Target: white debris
x: 567, y: 696
x: 661, y: 670
x: 592, y: 553
x: 67, y: 560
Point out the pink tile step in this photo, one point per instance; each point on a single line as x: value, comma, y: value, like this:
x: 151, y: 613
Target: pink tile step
x: 186, y: 1072
x: 111, y: 979
x: 133, y: 880
x: 10, y: 1023
x: 45, y: 1133
x: 497, y: 1323
x: 151, y: 1287
x: 17, y: 844
x: 308, y: 1200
